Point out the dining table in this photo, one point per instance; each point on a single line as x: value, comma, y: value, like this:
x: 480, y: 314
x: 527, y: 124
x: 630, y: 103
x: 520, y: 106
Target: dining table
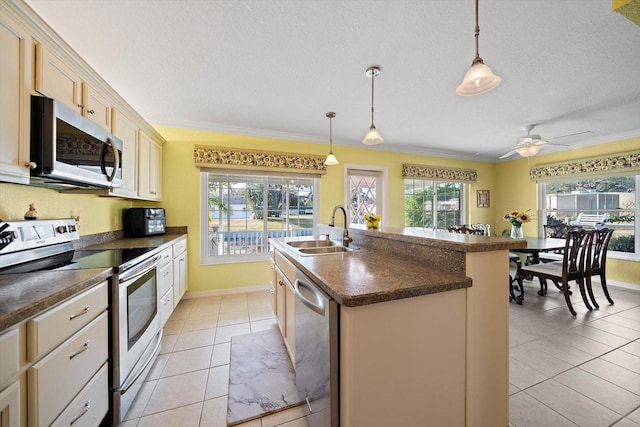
x: 535, y: 245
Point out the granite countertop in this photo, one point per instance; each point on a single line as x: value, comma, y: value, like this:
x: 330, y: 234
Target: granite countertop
x: 442, y: 239
x: 365, y: 277
x: 138, y: 242
x: 23, y: 296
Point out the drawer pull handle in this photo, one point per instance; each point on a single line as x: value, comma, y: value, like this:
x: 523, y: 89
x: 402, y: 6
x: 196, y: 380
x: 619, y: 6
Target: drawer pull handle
x: 86, y: 408
x: 84, y: 348
x: 167, y: 301
x: 281, y: 283
x: 166, y: 273
x: 82, y: 313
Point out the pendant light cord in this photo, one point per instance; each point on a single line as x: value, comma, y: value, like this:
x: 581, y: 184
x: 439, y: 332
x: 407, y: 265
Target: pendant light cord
x: 477, y: 58
x: 330, y: 135
x: 373, y: 76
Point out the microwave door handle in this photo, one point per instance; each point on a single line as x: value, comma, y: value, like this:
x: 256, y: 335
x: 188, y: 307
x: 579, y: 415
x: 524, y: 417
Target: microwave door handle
x: 116, y: 160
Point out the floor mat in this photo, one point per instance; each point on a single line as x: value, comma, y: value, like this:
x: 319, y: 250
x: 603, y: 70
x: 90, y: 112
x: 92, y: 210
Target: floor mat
x: 261, y: 377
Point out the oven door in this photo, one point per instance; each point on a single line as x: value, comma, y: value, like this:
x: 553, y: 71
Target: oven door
x: 139, y: 335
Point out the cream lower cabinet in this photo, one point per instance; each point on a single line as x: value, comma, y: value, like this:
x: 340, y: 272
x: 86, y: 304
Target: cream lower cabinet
x: 166, y: 302
x: 15, y: 45
x: 68, y: 349
x: 180, y: 278
x: 286, y: 302
x: 10, y: 408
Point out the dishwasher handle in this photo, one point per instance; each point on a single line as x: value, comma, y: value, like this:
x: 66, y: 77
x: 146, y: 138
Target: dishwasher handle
x: 316, y: 306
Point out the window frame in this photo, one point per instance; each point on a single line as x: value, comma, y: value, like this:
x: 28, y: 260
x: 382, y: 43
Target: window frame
x: 206, y: 259
x: 542, y: 212
x: 382, y: 184
x: 464, y: 191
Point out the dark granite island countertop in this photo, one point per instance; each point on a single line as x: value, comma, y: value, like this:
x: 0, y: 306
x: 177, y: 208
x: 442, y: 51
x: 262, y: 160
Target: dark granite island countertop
x: 365, y: 277
x: 23, y: 296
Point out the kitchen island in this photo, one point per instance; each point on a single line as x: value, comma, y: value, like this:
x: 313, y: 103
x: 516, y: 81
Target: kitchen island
x: 423, y: 325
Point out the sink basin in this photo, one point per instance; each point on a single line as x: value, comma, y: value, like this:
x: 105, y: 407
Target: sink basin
x: 324, y: 250
x: 311, y: 243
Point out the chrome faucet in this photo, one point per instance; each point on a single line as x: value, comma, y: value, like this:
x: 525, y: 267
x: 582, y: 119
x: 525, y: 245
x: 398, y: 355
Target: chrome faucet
x: 345, y: 234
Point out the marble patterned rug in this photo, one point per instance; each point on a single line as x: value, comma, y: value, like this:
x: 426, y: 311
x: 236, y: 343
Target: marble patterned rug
x: 261, y: 377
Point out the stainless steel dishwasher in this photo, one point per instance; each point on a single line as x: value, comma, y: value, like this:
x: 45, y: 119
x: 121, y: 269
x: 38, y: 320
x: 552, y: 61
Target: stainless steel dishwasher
x: 317, y: 352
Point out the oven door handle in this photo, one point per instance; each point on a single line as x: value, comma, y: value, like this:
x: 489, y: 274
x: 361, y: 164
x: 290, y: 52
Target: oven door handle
x: 134, y: 377
x: 148, y: 267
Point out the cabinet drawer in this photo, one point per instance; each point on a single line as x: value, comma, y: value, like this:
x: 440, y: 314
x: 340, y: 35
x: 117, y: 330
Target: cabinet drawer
x: 165, y: 278
x: 167, y: 256
x: 10, y: 351
x: 286, y: 267
x: 179, y: 247
x: 165, y: 306
x: 56, y: 325
x: 59, y: 376
x: 90, y: 406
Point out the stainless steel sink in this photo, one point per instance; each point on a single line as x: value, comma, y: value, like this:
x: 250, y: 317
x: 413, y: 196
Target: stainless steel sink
x: 311, y: 243
x: 324, y: 250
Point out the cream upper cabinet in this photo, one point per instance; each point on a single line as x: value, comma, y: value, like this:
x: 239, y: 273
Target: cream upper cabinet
x: 56, y: 79
x: 128, y: 132
x: 97, y: 106
x: 149, y: 168
x: 15, y: 60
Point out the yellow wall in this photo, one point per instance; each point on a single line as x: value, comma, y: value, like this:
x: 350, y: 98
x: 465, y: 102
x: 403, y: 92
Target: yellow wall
x: 97, y: 214
x: 181, y: 192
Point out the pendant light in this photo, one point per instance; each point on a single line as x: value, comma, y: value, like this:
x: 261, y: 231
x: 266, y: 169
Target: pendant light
x: 331, y: 159
x: 373, y: 136
x: 479, y: 79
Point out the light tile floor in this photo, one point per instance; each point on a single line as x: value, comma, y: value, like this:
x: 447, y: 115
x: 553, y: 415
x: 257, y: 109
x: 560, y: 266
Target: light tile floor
x: 574, y: 371
x: 564, y: 371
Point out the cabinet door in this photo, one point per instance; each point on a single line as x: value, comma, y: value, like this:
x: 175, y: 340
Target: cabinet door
x: 280, y: 291
x: 57, y: 80
x: 149, y: 168
x: 97, y: 106
x: 179, y: 277
x: 14, y: 101
x: 10, y: 405
x: 127, y: 131
x: 290, y: 320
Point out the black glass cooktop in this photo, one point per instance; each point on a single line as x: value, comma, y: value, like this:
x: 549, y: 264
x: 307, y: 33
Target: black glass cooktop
x: 106, y: 258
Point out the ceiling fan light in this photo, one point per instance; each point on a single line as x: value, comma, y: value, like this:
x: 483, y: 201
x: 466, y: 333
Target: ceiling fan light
x: 529, y: 150
x: 331, y: 160
x: 372, y: 137
x: 478, y: 80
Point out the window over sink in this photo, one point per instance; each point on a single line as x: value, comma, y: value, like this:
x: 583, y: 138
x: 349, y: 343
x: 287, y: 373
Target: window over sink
x: 241, y: 212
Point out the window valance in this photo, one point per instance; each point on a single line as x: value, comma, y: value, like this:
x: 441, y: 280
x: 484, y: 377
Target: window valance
x: 240, y: 158
x: 613, y: 164
x: 439, y: 173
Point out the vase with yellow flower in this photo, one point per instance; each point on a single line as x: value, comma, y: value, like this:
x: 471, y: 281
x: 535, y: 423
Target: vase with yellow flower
x: 516, y: 219
x: 373, y: 221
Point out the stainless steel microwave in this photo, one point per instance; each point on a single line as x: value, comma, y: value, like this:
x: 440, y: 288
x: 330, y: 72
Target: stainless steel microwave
x: 68, y: 150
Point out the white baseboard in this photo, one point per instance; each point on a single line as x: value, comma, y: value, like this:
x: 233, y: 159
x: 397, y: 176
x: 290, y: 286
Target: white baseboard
x: 624, y: 285
x: 228, y: 291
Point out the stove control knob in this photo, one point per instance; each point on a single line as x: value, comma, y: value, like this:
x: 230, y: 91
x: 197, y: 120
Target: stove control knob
x: 62, y: 229
x: 71, y: 228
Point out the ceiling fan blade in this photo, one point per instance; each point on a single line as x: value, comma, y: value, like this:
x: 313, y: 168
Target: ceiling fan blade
x: 510, y: 153
x: 571, y: 134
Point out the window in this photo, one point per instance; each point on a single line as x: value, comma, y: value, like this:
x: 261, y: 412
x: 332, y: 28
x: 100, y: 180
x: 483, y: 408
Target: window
x: 240, y: 213
x: 433, y: 204
x: 364, y: 197
x: 616, y: 196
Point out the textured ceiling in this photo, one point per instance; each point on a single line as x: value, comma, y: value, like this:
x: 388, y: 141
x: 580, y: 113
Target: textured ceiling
x: 274, y: 68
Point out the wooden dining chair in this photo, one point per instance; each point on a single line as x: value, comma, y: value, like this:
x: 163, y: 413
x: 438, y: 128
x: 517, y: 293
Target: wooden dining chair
x: 572, y: 268
x: 595, y: 264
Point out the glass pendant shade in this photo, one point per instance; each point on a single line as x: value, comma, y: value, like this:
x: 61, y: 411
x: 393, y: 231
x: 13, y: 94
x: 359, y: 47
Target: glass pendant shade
x: 372, y: 137
x: 479, y: 79
x: 331, y: 160
x: 529, y: 150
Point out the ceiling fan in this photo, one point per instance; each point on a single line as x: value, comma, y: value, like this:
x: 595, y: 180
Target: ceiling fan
x: 530, y: 145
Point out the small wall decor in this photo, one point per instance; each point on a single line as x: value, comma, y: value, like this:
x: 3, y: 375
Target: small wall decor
x: 483, y: 198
